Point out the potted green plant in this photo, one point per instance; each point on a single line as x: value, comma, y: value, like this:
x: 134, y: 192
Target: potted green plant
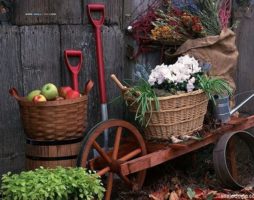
x: 52, y: 184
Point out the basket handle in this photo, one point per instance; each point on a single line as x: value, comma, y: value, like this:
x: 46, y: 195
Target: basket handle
x: 13, y: 92
x: 118, y: 83
x: 88, y: 87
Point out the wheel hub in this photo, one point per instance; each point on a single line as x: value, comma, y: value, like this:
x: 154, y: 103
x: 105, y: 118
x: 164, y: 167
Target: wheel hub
x: 115, y: 166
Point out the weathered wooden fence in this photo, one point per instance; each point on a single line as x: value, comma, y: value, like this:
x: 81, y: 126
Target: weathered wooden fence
x: 31, y: 54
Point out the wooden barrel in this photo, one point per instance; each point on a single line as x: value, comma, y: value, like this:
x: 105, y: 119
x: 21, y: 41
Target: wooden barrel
x: 51, y: 154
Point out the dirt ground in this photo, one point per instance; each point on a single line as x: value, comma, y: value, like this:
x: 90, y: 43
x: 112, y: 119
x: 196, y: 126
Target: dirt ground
x: 189, y: 177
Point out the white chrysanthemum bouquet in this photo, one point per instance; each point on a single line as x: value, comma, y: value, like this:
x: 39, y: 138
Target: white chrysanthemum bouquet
x: 184, y: 76
x: 181, y: 76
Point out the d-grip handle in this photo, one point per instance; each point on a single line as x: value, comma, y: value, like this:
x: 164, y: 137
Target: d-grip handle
x: 74, y: 69
x: 73, y: 53
x: 96, y: 8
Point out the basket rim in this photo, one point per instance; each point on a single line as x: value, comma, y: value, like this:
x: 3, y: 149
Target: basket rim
x: 175, y: 96
x: 176, y: 109
x: 181, y: 122
x: 24, y: 102
x: 199, y: 91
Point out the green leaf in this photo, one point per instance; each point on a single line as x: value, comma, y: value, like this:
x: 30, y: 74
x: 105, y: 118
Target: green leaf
x: 191, y: 193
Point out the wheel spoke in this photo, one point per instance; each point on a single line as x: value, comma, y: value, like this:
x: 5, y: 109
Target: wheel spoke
x: 101, y: 152
x: 91, y: 164
x: 126, y: 180
x: 103, y: 171
x: 117, y: 142
x: 109, y: 186
x: 131, y: 155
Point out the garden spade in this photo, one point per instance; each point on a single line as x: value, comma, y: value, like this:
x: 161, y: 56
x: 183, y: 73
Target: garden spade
x: 73, y: 69
x: 97, y: 23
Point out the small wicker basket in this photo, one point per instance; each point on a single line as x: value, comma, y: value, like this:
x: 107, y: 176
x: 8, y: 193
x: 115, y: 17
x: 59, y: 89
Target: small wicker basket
x: 53, y: 120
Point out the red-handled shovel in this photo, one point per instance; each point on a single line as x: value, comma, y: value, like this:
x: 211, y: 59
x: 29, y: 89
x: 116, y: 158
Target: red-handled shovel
x: 74, y: 69
x: 97, y: 23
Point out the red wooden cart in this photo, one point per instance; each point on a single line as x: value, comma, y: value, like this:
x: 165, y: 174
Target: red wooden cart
x: 131, y: 155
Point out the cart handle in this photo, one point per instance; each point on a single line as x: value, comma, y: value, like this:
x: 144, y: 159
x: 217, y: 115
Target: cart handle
x: 118, y: 83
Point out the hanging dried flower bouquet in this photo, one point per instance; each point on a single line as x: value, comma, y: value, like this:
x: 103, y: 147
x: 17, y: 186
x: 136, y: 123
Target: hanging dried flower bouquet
x: 175, y: 21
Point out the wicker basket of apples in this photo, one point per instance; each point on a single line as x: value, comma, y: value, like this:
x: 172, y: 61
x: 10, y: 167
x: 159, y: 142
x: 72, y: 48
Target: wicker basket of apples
x: 53, y: 113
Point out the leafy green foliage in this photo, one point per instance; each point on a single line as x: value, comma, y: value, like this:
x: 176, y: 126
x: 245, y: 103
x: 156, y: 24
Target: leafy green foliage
x: 52, y: 184
x: 214, y: 86
x: 143, y: 95
x: 209, y: 16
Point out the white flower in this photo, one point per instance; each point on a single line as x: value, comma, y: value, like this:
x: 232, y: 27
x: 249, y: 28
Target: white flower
x: 190, y: 87
x: 192, y: 80
x: 151, y: 80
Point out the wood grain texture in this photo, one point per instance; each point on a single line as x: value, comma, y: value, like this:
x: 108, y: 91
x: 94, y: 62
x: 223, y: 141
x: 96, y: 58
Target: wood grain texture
x: 82, y: 38
x: 245, y: 37
x: 40, y: 56
x: 51, y: 156
x: 32, y: 12
x: 113, y: 12
x: 133, y: 9
x: 11, y: 132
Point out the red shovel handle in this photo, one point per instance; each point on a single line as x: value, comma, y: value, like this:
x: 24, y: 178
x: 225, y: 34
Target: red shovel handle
x: 96, y: 8
x: 74, y: 69
x: 98, y: 24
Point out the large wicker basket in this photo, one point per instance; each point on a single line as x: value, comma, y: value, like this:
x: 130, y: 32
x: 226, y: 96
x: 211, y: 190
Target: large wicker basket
x: 53, y: 120
x: 178, y: 115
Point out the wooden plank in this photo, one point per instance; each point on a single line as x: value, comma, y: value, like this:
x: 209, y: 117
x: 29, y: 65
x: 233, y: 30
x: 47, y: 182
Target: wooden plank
x: 11, y: 132
x: 33, y: 12
x: 133, y: 9
x: 113, y: 12
x: 40, y: 56
x: 82, y: 38
x: 161, y: 156
x: 245, y: 37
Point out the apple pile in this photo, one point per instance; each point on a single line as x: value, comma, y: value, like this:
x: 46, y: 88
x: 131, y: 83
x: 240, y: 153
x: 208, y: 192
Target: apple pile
x: 49, y: 92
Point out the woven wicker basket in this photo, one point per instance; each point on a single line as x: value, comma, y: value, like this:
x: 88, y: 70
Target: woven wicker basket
x: 178, y: 115
x: 53, y: 120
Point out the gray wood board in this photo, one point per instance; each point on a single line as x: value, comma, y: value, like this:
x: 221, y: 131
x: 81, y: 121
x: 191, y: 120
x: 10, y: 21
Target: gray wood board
x: 31, y: 12
x: 245, y: 81
x: 40, y: 56
x: 11, y: 132
x: 133, y: 9
x: 113, y: 12
x: 82, y: 38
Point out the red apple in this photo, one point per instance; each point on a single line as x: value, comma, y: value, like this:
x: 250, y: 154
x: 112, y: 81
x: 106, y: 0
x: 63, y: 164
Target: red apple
x: 72, y: 94
x: 39, y: 98
x: 63, y: 91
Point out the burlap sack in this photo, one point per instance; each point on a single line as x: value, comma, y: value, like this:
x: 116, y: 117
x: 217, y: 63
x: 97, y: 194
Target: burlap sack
x: 220, y: 51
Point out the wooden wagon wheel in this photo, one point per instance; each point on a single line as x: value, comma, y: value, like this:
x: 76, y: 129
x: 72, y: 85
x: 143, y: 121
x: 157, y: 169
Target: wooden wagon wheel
x: 108, y: 163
